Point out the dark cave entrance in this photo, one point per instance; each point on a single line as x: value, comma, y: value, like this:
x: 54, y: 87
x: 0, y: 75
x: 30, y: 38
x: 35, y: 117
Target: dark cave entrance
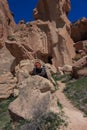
x: 50, y: 59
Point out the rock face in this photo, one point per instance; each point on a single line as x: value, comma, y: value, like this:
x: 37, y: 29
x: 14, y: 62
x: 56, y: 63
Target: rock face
x: 7, y: 84
x: 79, y: 30
x: 7, y: 81
x: 47, y: 37
x: 6, y: 61
x: 54, y: 11
x: 6, y: 22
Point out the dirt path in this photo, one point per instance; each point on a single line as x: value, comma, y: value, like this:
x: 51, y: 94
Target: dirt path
x: 76, y: 119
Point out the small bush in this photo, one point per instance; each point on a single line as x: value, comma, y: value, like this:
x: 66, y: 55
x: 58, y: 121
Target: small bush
x: 57, y: 77
x: 51, y: 121
x: 64, y: 78
x: 59, y: 104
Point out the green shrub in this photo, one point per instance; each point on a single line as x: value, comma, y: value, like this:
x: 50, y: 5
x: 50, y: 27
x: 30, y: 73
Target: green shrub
x: 51, y: 121
x: 59, y: 104
x: 57, y: 77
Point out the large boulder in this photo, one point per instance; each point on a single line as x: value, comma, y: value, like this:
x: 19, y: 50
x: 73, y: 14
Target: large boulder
x: 30, y: 104
x: 34, y: 98
x: 37, y: 82
x: 80, y: 68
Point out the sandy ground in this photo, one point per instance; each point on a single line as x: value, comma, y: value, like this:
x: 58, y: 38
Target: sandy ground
x: 76, y: 119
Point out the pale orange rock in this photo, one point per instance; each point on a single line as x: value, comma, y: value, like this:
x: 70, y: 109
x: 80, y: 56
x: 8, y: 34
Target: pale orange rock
x: 47, y: 38
x: 6, y: 22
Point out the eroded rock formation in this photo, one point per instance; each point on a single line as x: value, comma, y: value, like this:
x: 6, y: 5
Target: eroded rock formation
x: 45, y: 38
x: 53, y: 11
x: 6, y: 21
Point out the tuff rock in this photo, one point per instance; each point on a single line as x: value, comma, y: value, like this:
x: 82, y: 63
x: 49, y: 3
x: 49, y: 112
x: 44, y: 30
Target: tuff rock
x: 45, y: 38
x: 79, y: 68
x: 6, y: 22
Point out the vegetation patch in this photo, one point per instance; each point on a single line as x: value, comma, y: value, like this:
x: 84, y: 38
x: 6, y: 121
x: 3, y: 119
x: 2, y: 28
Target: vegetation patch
x: 15, y: 125
x: 77, y: 92
x: 49, y: 121
x: 57, y: 77
x: 4, y: 114
x: 59, y: 104
x: 64, y: 78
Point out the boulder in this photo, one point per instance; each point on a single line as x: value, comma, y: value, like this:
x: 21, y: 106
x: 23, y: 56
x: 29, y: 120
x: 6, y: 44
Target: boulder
x: 30, y: 104
x: 66, y: 69
x: 80, y: 68
x: 37, y: 82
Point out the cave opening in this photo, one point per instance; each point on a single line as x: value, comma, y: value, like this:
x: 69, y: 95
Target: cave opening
x: 50, y: 59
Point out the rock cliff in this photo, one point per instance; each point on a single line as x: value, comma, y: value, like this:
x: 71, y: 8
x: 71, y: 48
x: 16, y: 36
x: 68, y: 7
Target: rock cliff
x: 45, y: 38
x: 6, y: 21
